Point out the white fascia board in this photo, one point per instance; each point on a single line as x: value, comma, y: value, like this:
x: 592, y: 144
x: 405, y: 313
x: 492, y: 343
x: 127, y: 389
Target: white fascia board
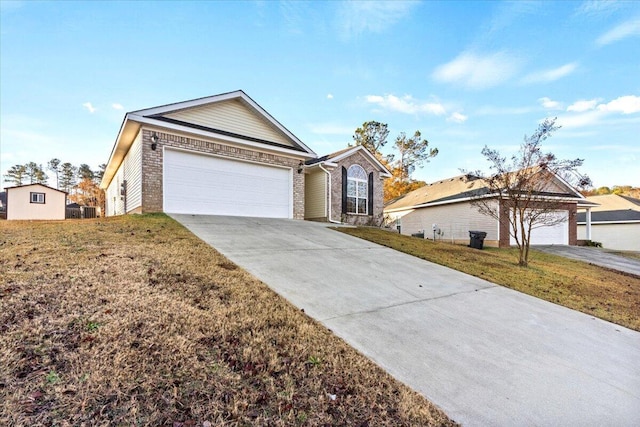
x: 183, y: 105
x: 635, y: 221
x: 238, y: 94
x: 445, y: 202
x: 326, y: 164
x: 274, y: 122
x: 233, y: 140
x: 384, y: 171
x: 562, y: 180
x: 112, y: 167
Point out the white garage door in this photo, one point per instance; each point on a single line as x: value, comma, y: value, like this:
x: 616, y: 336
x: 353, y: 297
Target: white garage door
x: 206, y: 185
x: 551, y: 235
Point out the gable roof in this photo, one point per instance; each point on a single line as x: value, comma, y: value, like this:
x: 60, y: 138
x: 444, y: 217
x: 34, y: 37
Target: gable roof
x: 612, y: 202
x: 465, y: 187
x: 331, y: 159
x: 41, y: 185
x: 192, y: 117
x: 618, y: 216
x: 612, y: 208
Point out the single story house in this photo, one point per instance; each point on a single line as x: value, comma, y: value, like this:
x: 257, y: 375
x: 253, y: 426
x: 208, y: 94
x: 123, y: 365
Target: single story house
x: 225, y: 155
x: 443, y: 210
x: 615, y: 222
x: 345, y: 186
x: 219, y: 155
x: 35, y: 201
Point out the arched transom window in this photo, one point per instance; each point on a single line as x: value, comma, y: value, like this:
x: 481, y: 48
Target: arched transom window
x: 357, y: 190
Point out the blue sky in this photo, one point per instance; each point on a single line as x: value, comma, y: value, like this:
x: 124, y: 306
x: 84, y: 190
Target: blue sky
x: 465, y: 74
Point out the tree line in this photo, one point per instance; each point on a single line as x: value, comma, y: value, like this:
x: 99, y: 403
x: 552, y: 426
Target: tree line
x: 621, y: 190
x: 80, y: 182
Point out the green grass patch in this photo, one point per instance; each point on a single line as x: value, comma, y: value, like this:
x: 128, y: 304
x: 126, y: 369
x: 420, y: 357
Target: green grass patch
x: 597, y: 291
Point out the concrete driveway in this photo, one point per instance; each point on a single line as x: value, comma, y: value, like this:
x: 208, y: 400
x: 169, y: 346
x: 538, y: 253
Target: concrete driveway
x: 596, y: 256
x: 487, y: 355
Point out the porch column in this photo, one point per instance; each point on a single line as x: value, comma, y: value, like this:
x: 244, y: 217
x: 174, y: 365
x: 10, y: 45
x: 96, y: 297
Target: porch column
x: 588, y: 216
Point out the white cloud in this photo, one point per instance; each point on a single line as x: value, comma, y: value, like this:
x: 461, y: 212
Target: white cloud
x: 550, y: 104
x: 586, y: 113
x: 117, y: 106
x: 329, y: 96
x: 551, y: 75
x: 626, y: 29
x: 583, y: 105
x: 89, y: 107
x: 478, y: 72
x: 357, y: 17
x: 598, y: 7
x: 457, y: 118
x: 624, y: 104
x: 406, y: 104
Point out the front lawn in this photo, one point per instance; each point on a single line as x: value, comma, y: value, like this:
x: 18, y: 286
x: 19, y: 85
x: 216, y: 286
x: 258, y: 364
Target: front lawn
x: 134, y: 321
x: 603, y: 293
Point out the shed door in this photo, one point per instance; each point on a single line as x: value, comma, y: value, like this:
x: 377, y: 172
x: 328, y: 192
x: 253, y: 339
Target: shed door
x: 205, y: 185
x: 551, y: 235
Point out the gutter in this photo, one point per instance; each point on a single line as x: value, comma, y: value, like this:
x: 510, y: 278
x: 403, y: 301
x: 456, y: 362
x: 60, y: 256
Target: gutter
x: 329, y: 198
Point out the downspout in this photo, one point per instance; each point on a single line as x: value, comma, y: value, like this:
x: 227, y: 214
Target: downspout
x: 330, y: 193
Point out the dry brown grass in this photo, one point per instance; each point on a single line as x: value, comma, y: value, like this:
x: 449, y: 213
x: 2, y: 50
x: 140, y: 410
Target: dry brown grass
x: 134, y: 321
x: 600, y: 292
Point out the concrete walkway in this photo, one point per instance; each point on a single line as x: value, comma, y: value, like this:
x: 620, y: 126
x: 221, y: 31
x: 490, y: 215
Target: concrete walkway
x: 596, y: 256
x: 487, y: 355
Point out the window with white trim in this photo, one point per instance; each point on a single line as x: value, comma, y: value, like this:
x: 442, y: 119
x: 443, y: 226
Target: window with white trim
x: 357, y: 191
x: 37, y: 198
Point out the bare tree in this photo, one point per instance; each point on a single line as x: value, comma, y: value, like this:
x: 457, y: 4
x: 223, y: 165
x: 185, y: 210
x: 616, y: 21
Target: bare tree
x: 525, y: 187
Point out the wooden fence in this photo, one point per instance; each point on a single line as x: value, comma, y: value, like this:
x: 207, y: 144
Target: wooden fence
x: 83, y: 212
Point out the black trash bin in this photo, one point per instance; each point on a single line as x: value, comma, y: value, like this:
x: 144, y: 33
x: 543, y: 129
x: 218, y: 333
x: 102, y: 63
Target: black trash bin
x: 476, y: 239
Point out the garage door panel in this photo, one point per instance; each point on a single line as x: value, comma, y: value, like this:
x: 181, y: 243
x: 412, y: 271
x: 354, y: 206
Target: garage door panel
x: 200, y: 184
x: 557, y: 234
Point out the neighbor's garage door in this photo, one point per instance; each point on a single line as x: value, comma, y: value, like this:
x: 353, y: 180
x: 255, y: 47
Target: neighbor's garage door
x: 551, y: 235
x: 206, y: 185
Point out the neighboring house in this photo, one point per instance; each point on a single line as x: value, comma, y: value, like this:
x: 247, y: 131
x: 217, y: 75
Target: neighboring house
x: 444, y: 210
x: 35, y: 201
x: 3, y: 205
x: 615, y: 222
x: 219, y: 155
x: 345, y: 186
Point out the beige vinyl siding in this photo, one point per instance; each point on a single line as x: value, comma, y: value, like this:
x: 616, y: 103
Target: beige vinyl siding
x: 232, y: 116
x: 19, y: 206
x: 133, y: 174
x: 114, y: 201
x: 623, y: 237
x: 315, y: 194
x: 130, y: 170
x: 454, y: 220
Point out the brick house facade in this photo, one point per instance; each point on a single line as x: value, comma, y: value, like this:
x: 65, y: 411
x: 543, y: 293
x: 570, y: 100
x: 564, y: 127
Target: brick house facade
x: 223, y: 127
x: 326, y: 187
